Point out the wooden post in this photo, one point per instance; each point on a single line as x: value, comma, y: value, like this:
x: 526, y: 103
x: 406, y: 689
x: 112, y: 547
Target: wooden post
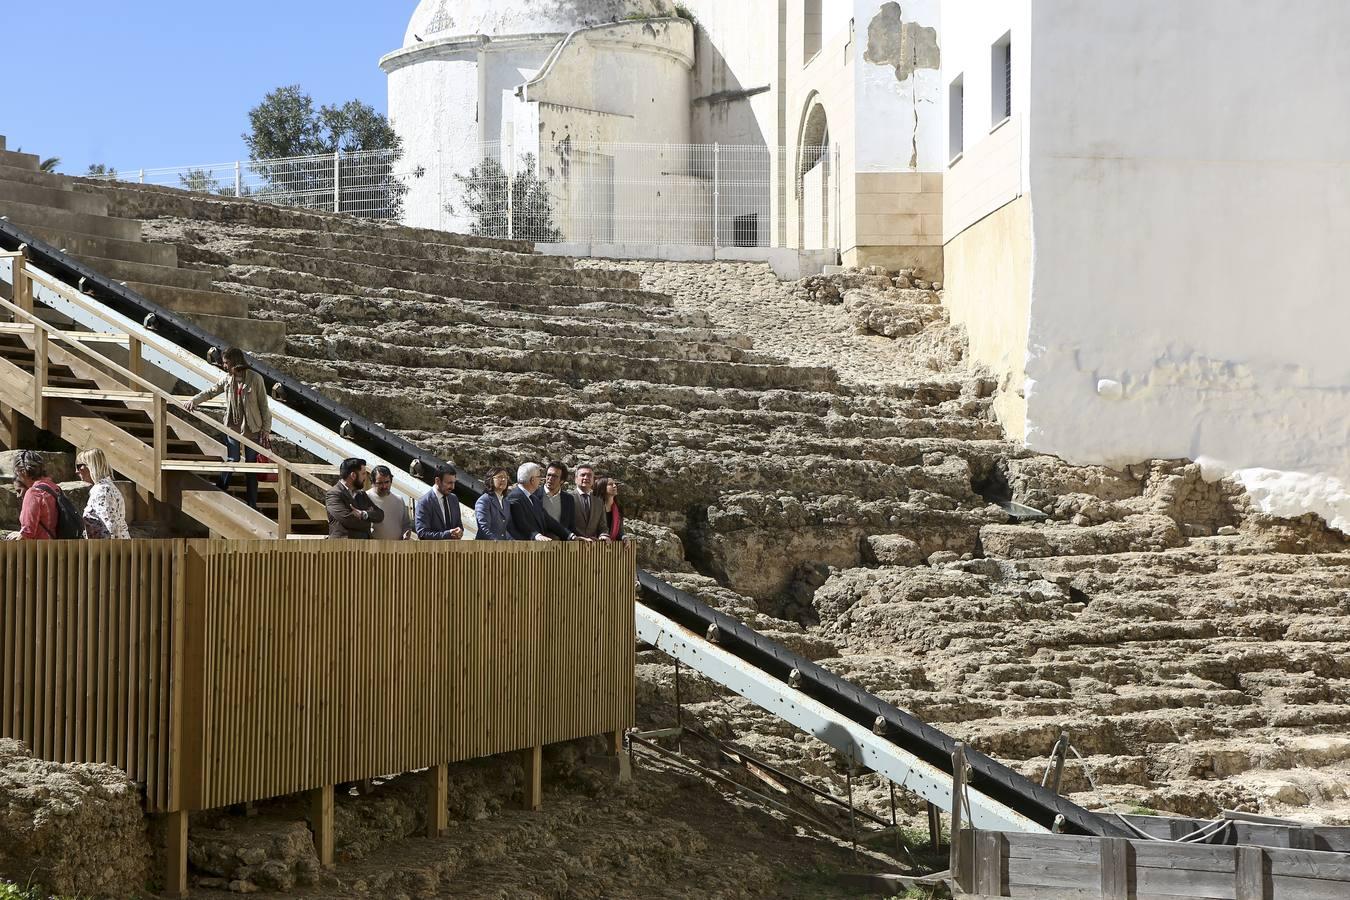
x: 958, y: 792
x: 1250, y: 875
x: 40, y: 351
x: 321, y: 822
x: 283, y: 501
x: 11, y: 428
x: 934, y: 827
x: 135, y: 361
x: 438, y: 799
x: 534, y: 777
x: 176, y: 853
x: 989, y: 863
x: 160, y: 445
x: 1116, y: 863
x: 23, y: 287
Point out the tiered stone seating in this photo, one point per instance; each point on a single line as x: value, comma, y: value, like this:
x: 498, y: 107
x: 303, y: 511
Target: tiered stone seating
x: 851, y: 520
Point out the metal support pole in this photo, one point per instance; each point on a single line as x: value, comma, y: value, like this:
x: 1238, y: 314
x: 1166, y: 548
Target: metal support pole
x: 717, y: 194
x: 511, y: 198
x: 958, y: 789
x: 852, y: 819
x: 679, y: 711
x: 337, y: 181
x: 142, y: 176
x: 934, y: 826
x: 238, y: 179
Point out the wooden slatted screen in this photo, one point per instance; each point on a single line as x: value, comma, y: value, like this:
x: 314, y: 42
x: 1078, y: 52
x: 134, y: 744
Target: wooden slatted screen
x: 86, y: 649
x: 219, y: 672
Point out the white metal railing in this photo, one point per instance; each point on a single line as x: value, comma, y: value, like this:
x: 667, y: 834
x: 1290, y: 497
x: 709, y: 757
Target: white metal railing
x: 717, y: 195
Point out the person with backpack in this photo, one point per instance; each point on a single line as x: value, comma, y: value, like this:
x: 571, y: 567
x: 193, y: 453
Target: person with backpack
x: 46, y: 513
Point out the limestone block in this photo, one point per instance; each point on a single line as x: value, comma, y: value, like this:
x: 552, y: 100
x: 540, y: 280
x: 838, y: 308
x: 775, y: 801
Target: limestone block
x: 70, y: 828
x: 1134, y: 534
x: 894, y: 550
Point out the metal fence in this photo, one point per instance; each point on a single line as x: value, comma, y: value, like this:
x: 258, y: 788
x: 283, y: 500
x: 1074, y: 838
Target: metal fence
x: 692, y: 194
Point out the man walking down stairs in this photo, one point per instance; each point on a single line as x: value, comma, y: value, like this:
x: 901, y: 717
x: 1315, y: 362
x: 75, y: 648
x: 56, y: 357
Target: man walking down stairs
x: 48, y: 206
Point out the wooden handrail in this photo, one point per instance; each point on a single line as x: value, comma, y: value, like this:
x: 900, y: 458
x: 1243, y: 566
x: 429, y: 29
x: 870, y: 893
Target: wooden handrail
x: 167, y: 348
x: 160, y: 399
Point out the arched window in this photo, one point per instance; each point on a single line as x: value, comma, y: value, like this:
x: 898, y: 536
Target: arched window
x: 812, y: 30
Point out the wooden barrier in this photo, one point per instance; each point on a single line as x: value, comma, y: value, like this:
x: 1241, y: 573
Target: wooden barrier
x: 223, y: 672
x: 1007, y: 864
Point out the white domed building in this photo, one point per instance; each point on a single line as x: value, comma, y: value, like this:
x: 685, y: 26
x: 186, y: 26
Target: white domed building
x: 571, y: 82
x: 506, y: 78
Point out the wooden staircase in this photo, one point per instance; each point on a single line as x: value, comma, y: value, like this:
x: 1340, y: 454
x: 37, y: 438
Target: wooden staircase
x: 65, y: 382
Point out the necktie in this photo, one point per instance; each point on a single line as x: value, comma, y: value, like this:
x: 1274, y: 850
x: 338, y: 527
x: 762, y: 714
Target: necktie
x: 586, y: 507
x: 445, y: 510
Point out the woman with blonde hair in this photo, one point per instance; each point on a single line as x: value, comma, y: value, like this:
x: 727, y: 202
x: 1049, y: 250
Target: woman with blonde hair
x: 105, y: 514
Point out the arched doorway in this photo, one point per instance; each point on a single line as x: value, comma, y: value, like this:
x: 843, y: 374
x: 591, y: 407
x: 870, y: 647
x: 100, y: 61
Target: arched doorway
x: 815, y: 180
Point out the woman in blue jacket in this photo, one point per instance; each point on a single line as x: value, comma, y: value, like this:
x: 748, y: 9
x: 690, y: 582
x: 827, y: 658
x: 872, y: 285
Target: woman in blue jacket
x: 490, y: 510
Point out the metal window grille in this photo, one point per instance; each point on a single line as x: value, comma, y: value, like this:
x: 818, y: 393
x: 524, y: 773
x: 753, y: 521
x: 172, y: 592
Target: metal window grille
x: 1007, y: 79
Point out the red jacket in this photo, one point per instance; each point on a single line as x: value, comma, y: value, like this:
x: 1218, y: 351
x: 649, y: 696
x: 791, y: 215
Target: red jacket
x: 38, y: 515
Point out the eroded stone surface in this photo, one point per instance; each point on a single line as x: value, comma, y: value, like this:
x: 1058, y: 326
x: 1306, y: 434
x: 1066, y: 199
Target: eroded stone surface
x: 74, y: 829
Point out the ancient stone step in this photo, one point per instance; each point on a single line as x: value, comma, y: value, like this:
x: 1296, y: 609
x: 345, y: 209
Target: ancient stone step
x: 186, y: 300
x: 125, y: 270
x: 35, y: 177
x: 144, y: 201
x: 14, y: 159
x: 80, y: 244
x: 576, y: 366
x: 254, y: 335
x: 30, y: 215
x: 381, y: 243
x: 53, y: 198
x: 279, y: 253
x: 361, y: 279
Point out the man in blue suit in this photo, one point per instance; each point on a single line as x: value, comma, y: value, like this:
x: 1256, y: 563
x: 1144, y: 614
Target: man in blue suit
x: 526, y: 519
x: 437, y: 512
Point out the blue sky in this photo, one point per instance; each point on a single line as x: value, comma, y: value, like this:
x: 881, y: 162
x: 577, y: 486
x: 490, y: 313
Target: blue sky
x: 145, y: 83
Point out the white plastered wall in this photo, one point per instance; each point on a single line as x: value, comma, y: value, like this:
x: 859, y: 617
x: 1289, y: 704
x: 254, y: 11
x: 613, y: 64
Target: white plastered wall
x: 1190, y: 176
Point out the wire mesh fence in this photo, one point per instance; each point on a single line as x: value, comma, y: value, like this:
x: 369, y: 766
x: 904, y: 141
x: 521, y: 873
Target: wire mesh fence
x: 681, y: 194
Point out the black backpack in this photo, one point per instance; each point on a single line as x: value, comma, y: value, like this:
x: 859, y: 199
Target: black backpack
x: 69, y: 524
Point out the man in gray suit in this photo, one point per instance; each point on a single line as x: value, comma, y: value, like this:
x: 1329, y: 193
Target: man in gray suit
x: 590, y: 510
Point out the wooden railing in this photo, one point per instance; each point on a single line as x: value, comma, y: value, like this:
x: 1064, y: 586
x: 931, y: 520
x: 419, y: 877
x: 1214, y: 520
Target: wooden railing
x: 222, y: 672
x: 140, y: 391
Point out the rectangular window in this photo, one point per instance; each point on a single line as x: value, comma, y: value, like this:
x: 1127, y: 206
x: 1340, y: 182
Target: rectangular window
x: 956, y: 119
x: 813, y: 28
x: 1000, y: 83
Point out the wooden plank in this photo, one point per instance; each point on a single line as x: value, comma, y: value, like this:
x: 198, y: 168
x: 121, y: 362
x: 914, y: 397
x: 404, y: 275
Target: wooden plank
x: 135, y: 356
x: 1188, y: 882
x: 1287, y: 887
x: 40, y: 373
x: 989, y: 863
x: 60, y: 393
x: 209, y: 466
x: 533, y: 760
x: 159, y: 447
x: 438, y: 800
x: 1310, y: 864
x: 1250, y: 876
x: 1194, y: 857
x: 175, y: 874
x: 1056, y: 874
x: 321, y: 823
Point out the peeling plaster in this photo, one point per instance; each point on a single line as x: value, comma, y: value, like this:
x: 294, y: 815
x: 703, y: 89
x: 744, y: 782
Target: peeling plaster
x: 891, y: 41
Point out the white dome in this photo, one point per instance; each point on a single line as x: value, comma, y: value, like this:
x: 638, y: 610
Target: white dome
x: 495, y: 18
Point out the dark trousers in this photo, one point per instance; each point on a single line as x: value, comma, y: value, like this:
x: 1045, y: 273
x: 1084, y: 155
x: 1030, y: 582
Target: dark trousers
x: 251, y: 479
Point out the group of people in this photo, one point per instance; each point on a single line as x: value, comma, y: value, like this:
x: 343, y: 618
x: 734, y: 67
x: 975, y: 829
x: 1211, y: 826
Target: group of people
x: 538, y: 507
x: 47, y: 514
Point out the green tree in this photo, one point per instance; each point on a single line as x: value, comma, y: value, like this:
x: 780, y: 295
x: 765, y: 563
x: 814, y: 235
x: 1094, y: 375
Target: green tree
x: 286, y: 125
x: 99, y: 170
x: 485, y: 199
x: 201, y: 181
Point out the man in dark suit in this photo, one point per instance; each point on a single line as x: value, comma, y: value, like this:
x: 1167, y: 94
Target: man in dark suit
x: 590, y: 509
x: 558, y: 504
x: 350, y: 512
x: 436, y: 517
x: 526, y: 519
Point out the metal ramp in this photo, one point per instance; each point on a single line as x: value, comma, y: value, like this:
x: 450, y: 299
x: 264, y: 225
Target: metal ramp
x: 868, y: 730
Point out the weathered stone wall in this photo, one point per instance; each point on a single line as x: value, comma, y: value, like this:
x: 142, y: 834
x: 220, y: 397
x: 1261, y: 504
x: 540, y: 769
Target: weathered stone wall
x: 72, y: 829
